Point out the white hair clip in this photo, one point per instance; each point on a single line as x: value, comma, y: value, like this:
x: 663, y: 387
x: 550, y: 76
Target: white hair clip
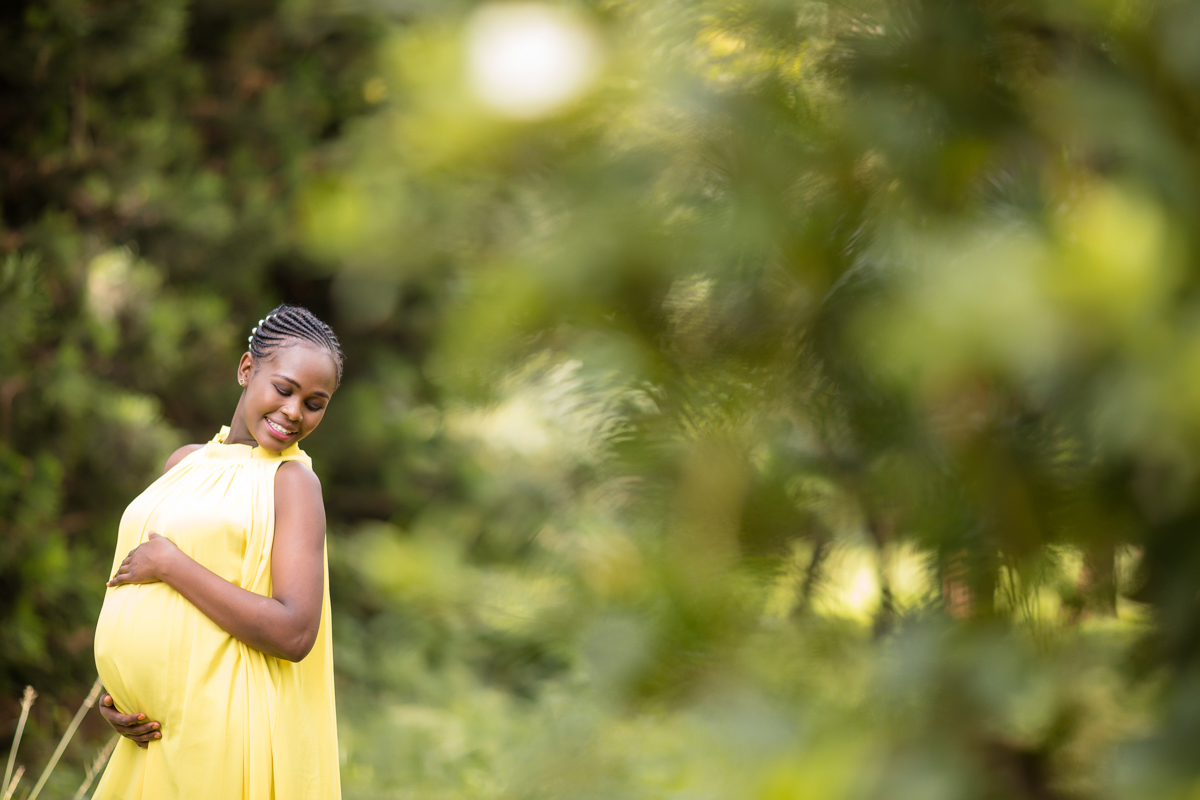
x: 254, y: 330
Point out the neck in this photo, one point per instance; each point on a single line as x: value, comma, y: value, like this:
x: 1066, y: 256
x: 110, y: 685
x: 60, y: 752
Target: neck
x: 238, y: 434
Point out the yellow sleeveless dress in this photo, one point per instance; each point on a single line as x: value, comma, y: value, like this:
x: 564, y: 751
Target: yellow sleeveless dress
x: 236, y: 723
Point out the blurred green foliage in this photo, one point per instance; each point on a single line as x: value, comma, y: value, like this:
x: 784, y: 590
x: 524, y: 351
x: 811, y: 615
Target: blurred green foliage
x: 765, y: 399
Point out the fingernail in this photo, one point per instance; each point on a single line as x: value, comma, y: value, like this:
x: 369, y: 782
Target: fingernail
x: 154, y: 726
x: 141, y: 716
x: 158, y: 736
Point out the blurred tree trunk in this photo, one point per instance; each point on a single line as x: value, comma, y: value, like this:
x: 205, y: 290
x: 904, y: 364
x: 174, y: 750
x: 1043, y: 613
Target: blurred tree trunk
x: 1097, y: 581
x: 812, y: 574
x: 881, y: 526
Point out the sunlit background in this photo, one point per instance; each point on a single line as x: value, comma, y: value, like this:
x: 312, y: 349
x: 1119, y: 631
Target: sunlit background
x: 783, y: 399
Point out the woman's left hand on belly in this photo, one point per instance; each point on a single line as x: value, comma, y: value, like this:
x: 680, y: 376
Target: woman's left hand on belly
x: 147, y: 562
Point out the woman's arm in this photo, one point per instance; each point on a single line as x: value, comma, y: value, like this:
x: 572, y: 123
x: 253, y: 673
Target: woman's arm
x: 282, y: 625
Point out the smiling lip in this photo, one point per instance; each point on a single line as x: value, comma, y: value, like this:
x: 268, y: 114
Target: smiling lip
x: 277, y: 430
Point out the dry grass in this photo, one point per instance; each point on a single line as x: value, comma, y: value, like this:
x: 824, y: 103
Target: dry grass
x: 13, y: 777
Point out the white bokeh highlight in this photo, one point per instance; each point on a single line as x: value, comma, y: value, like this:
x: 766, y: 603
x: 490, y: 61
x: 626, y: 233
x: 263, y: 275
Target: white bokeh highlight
x: 527, y: 60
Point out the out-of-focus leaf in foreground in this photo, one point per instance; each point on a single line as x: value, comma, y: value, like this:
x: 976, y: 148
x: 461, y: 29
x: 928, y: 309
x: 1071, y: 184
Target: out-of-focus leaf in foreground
x: 827, y: 372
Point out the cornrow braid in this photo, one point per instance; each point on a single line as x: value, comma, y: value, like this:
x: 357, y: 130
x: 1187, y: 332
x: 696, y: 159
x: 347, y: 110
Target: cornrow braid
x: 294, y: 322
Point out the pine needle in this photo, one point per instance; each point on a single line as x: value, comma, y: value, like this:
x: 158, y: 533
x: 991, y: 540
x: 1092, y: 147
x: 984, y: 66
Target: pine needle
x: 12, y: 787
x: 26, y: 703
x: 88, y: 702
x: 95, y: 768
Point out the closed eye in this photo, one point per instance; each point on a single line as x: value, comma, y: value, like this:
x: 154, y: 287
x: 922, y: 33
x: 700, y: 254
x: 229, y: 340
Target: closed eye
x: 286, y: 393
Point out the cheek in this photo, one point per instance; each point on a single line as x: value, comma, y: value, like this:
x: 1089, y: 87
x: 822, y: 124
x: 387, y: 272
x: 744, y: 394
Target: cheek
x: 263, y: 401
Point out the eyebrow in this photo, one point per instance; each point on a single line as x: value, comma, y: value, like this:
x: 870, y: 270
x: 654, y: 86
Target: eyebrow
x: 296, y: 383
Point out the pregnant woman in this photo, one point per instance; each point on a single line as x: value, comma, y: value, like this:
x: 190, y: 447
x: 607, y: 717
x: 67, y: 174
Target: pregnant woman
x: 214, y: 638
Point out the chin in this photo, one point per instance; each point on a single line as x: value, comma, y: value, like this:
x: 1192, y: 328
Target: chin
x: 268, y: 441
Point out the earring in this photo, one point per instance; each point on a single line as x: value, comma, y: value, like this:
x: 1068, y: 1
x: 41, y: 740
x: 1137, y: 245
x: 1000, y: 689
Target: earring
x: 242, y: 382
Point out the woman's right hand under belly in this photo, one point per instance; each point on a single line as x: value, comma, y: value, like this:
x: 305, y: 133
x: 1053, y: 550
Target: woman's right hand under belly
x: 133, y: 726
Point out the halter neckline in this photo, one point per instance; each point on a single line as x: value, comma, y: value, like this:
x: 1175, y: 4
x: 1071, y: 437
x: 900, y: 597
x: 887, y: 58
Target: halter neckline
x: 217, y: 449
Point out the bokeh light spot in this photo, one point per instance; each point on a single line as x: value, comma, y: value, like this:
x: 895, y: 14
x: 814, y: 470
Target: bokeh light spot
x: 527, y: 60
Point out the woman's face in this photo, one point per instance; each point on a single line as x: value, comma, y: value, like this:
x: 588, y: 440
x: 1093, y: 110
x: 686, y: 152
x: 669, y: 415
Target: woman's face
x: 286, y: 393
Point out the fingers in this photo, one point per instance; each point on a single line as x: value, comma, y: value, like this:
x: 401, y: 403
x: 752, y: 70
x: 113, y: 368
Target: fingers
x: 144, y: 732
x: 127, y: 721
x: 128, y: 725
x: 134, y: 727
x: 122, y: 570
x: 119, y: 720
x: 115, y: 717
x: 125, y: 724
x: 124, y: 575
x: 154, y: 535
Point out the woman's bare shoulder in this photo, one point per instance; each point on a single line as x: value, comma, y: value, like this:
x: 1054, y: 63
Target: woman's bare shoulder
x: 298, y: 496
x: 179, y: 455
x: 295, y: 478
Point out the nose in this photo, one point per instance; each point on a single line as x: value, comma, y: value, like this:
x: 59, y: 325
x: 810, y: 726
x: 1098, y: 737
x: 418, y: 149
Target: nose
x: 292, y: 411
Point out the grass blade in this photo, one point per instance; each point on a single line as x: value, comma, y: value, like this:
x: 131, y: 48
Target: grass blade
x: 12, y: 787
x: 88, y: 702
x: 26, y: 703
x: 95, y: 768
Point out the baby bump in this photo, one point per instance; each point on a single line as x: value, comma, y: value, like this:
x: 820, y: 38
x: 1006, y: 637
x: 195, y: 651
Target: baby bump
x: 148, y: 638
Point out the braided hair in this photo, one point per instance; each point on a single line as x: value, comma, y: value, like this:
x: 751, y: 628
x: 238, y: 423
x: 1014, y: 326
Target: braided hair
x: 294, y: 322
